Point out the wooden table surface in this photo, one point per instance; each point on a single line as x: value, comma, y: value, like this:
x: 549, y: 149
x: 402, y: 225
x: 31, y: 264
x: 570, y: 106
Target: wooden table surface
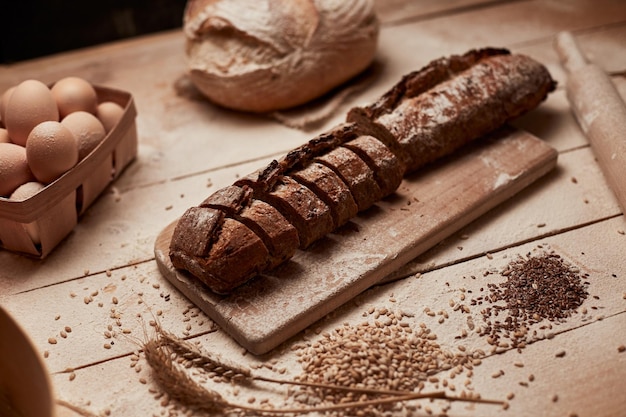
x: 189, y: 147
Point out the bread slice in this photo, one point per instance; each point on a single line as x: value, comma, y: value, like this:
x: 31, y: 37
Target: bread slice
x: 301, y: 207
x: 277, y: 233
x: 196, y: 231
x: 355, y: 173
x: 387, y: 168
x: 331, y: 189
x: 237, y: 255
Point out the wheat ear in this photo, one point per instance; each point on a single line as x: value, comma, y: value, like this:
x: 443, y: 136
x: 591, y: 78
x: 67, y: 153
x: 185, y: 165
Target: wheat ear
x: 214, y: 364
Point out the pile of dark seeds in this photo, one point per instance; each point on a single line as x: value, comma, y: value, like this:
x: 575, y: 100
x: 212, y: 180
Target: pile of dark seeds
x: 537, y: 288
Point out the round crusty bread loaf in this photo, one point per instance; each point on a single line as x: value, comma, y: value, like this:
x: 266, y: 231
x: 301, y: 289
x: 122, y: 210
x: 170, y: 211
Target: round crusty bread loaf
x: 265, y: 55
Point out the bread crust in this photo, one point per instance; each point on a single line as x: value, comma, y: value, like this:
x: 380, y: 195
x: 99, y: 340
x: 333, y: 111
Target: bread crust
x: 268, y: 55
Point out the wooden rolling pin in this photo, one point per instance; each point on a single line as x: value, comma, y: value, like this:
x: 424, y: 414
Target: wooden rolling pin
x: 600, y: 111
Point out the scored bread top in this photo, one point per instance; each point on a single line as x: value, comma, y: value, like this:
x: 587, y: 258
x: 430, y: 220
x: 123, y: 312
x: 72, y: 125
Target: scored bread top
x: 459, y: 98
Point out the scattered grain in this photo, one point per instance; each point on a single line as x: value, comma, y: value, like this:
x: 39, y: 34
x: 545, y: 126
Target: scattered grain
x: 497, y: 374
x: 52, y: 340
x: 621, y: 348
x: 383, y: 353
x: 560, y: 354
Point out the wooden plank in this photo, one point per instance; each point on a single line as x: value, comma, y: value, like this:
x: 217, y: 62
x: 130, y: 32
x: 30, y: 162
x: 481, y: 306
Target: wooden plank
x: 396, y: 11
x: 427, y: 208
x: 596, y: 42
x: 536, y: 212
x: 587, y: 379
x: 412, y: 45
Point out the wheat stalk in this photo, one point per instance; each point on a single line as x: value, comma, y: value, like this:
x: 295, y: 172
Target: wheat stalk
x: 177, y: 383
x: 180, y: 386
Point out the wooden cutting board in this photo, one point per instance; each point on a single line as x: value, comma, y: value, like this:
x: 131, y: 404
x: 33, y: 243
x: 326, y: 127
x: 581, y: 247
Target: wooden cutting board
x: 428, y: 207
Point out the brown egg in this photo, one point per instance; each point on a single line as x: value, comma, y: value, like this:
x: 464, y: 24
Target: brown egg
x: 27, y: 190
x: 4, y: 136
x: 24, y: 192
x: 74, y: 94
x: 51, y: 151
x: 109, y: 113
x: 14, y: 169
x: 30, y: 104
x: 87, y: 130
x: 3, y: 102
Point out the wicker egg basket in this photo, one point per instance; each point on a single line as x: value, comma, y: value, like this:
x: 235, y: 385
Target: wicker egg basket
x: 56, y: 209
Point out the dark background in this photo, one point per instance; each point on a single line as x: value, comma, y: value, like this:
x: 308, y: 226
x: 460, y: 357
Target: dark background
x: 34, y: 28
